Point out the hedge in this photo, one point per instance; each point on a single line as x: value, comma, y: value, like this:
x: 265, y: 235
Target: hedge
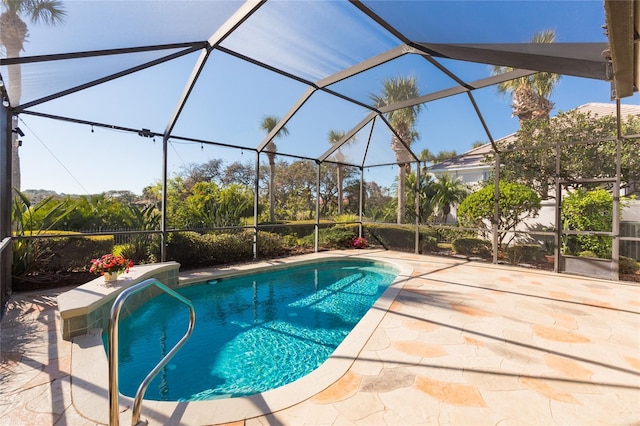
x: 524, y: 253
x: 194, y: 250
x: 471, y: 247
x: 59, y: 254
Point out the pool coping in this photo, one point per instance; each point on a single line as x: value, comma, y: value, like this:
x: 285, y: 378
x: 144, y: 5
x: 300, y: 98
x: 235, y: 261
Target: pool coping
x: 89, y: 367
x: 87, y: 306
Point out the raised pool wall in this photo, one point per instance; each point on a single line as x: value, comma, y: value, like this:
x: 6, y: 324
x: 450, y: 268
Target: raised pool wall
x: 88, y: 306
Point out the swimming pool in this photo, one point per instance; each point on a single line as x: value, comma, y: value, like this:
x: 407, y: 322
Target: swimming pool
x: 254, y: 333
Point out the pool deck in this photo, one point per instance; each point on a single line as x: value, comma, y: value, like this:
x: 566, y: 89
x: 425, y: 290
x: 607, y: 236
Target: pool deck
x: 462, y: 343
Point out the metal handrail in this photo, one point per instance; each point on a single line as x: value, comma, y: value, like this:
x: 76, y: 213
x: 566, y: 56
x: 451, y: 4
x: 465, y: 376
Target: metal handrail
x: 5, y: 243
x: 114, y: 415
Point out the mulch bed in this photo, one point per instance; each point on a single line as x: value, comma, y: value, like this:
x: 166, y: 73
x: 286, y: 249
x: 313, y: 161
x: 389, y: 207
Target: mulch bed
x: 47, y: 281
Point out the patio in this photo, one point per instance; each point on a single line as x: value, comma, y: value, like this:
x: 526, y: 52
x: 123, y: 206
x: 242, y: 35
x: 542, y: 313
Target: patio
x: 463, y: 343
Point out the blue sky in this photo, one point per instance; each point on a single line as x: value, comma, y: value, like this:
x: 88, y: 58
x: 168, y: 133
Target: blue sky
x: 77, y: 159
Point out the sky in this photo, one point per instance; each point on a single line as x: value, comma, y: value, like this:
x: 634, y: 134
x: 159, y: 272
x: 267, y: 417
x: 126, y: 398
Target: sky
x: 312, y: 39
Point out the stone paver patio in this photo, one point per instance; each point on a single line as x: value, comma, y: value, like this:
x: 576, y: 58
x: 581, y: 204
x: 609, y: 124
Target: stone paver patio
x: 463, y: 343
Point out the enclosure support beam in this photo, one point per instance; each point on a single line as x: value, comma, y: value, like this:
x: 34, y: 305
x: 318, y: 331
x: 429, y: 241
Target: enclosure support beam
x: 417, y: 247
x: 360, y: 201
x: 163, y: 222
x: 5, y: 203
x: 615, y: 246
x: 317, y: 224
x: 256, y: 203
x: 496, y: 208
x: 558, y: 218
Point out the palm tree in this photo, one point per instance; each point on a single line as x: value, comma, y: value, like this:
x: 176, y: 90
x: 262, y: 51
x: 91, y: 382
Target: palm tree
x: 530, y: 95
x: 13, y: 36
x: 335, y: 137
x: 268, y: 124
x: 426, y: 192
x: 448, y: 193
x: 397, y: 89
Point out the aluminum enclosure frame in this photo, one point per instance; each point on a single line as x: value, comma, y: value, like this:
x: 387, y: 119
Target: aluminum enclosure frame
x: 578, y: 59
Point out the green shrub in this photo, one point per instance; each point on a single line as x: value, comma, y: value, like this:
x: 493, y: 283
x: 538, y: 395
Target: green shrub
x: 346, y: 218
x: 587, y: 253
x: 628, y: 265
x: 269, y: 244
x: 193, y: 250
x: 337, y: 237
x: 396, y: 237
x: 428, y: 243
x: 291, y: 241
x: 524, y: 253
x: 229, y: 248
x: 471, y: 246
x: 444, y: 234
x: 63, y: 254
x: 188, y: 248
x: 140, y: 253
x: 516, y: 202
x: 588, y: 211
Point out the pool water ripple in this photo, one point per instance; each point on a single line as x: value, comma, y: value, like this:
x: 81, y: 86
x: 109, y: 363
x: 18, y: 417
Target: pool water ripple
x: 253, y: 333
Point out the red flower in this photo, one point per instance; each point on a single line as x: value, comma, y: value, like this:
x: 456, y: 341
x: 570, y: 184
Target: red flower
x: 359, y: 242
x: 110, y: 263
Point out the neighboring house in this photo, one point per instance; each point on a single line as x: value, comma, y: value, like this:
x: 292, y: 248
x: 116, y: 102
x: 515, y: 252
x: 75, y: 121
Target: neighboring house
x: 472, y: 169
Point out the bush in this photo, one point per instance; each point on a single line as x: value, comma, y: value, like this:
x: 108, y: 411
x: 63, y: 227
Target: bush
x: 346, y: 218
x: 516, y: 202
x: 588, y: 211
x: 337, y: 237
x: 524, y: 253
x: 471, y: 247
x: 587, y: 253
x: 292, y: 241
x: 142, y: 251
x: 190, y: 249
x: 193, y: 250
x: 392, y: 237
x: 428, y: 243
x: 58, y: 254
x: 628, y: 265
x: 269, y: 244
x: 228, y: 248
x: 446, y: 235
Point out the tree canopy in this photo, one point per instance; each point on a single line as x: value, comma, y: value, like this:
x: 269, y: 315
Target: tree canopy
x: 589, y: 152
x: 516, y: 202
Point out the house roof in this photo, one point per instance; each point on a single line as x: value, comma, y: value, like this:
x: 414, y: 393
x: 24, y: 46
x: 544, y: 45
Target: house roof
x: 474, y: 158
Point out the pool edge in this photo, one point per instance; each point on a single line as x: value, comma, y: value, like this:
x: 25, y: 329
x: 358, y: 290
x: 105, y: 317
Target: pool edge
x: 89, y: 365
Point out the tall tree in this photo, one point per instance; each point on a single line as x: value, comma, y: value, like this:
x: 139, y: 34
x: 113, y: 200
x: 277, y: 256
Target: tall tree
x: 13, y: 36
x: 425, y: 189
x: 335, y: 137
x: 448, y: 193
x: 210, y: 171
x: 530, y: 95
x: 398, y: 89
x: 530, y: 158
x: 268, y: 124
x: 428, y: 157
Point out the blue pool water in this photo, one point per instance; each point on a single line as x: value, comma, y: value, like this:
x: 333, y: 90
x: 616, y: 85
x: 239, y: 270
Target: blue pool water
x: 253, y: 333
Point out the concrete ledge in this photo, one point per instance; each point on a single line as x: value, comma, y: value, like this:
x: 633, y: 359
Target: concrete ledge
x: 87, y: 306
x: 589, y: 267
